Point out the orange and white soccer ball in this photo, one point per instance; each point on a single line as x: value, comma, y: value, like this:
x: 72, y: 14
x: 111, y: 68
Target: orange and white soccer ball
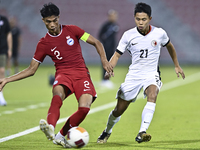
x: 77, y: 137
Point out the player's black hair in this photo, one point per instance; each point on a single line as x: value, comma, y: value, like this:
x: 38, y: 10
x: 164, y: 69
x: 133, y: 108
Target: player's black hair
x: 49, y: 9
x: 142, y: 7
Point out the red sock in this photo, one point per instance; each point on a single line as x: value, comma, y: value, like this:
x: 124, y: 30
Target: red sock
x: 54, y: 110
x: 75, y: 119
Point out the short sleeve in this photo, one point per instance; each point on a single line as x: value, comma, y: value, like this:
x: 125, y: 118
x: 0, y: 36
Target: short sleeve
x: 39, y: 52
x: 7, y: 25
x: 165, y: 38
x: 77, y: 31
x: 122, y: 43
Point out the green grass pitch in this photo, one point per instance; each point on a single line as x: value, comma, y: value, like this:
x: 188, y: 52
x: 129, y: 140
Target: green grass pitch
x: 175, y: 125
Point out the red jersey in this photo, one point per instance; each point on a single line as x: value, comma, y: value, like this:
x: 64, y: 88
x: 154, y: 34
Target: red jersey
x: 64, y: 49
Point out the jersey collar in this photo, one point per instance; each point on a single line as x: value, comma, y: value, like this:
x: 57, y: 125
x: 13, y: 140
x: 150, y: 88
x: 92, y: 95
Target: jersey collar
x: 147, y: 32
x: 56, y: 35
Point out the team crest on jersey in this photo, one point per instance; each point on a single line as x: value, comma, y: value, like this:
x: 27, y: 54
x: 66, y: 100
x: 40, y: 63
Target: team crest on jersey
x: 70, y: 41
x: 154, y: 43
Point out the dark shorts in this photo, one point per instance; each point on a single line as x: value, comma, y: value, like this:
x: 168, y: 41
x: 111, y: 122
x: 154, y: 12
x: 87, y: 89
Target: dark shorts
x: 3, y: 60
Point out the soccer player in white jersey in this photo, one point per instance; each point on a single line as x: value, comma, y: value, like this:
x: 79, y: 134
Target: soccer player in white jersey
x: 143, y: 43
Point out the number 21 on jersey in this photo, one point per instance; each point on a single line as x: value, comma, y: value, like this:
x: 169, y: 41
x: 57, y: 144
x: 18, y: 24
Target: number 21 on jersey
x: 143, y: 53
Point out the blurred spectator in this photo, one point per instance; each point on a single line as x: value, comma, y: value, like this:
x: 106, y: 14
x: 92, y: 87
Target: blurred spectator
x: 107, y: 35
x: 16, y: 43
x: 5, y: 50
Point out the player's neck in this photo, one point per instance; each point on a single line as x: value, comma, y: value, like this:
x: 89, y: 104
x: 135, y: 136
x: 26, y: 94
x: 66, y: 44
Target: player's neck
x: 146, y: 31
x: 56, y: 32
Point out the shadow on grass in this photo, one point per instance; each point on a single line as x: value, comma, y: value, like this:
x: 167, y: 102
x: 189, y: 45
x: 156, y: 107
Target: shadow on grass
x: 160, y: 145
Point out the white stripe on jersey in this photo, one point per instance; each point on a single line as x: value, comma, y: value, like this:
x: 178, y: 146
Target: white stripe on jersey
x: 144, y: 49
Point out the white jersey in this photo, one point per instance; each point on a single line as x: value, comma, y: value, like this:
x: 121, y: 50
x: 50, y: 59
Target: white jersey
x: 144, y: 49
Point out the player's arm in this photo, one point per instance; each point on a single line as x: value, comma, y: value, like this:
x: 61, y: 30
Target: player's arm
x: 114, y: 59
x: 9, y: 41
x: 100, y: 49
x: 19, y: 40
x: 30, y: 71
x: 173, y: 55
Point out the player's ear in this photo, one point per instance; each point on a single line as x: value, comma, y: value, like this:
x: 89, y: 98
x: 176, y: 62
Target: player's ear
x: 43, y: 20
x: 150, y: 18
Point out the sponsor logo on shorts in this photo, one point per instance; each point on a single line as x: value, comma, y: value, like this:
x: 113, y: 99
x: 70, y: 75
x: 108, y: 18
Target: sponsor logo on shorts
x: 86, y: 89
x: 55, y: 82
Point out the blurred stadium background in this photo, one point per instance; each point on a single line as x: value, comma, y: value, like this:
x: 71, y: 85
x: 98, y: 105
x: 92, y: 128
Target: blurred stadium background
x: 178, y: 17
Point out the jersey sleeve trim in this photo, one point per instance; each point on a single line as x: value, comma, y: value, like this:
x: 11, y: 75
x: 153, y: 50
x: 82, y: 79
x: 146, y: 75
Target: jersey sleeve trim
x: 118, y: 51
x: 166, y: 43
x: 85, y: 36
x: 37, y: 60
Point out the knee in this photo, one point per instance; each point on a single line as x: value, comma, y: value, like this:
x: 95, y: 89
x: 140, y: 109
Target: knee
x: 85, y: 100
x: 152, y: 97
x: 59, y: 94
x: 2, y: 70
x: 59, y: 90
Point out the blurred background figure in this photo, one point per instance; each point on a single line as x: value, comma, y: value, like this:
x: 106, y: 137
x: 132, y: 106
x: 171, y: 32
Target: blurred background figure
x: 5, y: 50
x: 16, y: 44
x: 107, y: 35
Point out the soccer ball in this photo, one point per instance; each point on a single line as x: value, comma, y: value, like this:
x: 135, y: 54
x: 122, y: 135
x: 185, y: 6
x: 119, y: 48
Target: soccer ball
x: 77, y: 137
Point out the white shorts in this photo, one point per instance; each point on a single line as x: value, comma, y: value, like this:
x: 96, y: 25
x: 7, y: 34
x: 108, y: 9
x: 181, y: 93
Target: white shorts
x: 130, y: 89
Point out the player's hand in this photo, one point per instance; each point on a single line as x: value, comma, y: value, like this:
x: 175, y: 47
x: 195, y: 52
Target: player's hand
x: 178, y: 71
x: 109, y: 68
x: 2, y: 84
x: 108, y: 75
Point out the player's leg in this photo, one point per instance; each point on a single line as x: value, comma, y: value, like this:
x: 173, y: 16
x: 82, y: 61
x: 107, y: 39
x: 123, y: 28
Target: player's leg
x: 54, y: 112
x: 16, y: 64
x: 147, y: 114
x: 113, y: 118
x: 2, y: 75
x: 75, y: 119
x: 85, y: 94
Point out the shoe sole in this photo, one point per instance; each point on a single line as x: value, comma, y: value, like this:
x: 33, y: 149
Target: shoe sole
x: 146, y: 137
x: 62, y: 143
x: 101, y: 141
x: 44, y: 127
x: 3, y: 104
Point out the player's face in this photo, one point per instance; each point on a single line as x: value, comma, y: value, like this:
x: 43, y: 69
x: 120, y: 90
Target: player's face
x: 142, y: 21
x: 52, y: 24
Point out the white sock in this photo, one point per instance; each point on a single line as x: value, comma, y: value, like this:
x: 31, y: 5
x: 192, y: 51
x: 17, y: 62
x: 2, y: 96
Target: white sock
x: 58, y: 135
x: 52, y: 127
x: 112, y: 120
x: 2, y: 100
x: 147, y: 116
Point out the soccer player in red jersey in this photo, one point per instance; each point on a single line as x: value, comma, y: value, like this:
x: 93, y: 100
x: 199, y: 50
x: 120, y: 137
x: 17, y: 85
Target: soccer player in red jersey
x: 61, y: 43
